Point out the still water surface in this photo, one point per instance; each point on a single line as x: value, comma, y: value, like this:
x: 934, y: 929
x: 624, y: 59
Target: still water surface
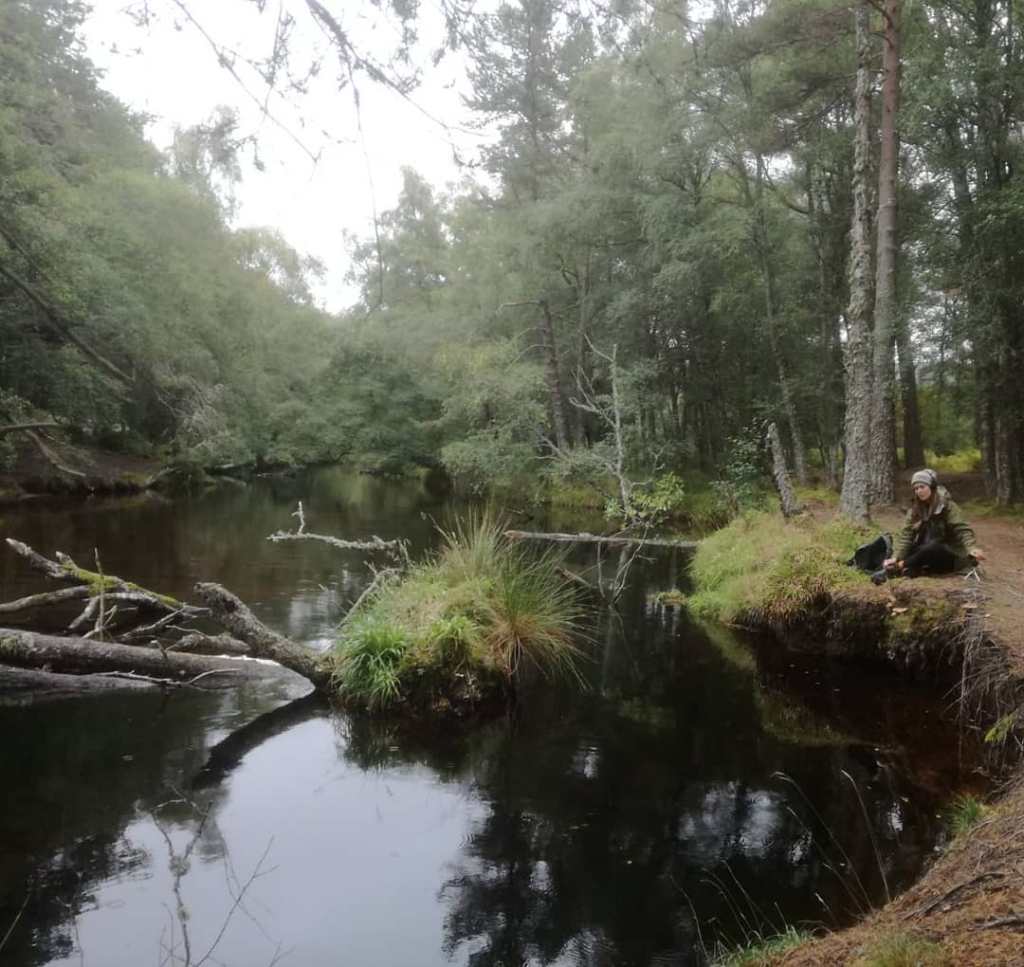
x: 635, y: 824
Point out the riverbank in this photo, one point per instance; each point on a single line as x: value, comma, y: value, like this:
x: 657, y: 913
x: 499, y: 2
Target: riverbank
x: 963, y: 631
x: 69, y: 470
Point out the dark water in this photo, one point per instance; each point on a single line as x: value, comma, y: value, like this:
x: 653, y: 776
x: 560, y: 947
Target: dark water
x: 633, y: 825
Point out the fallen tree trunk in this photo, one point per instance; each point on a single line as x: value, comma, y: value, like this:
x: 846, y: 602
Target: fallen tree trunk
x: 26, y: 686
x: 78, y: 656
x: 231, y: 612
x: 585, y: 538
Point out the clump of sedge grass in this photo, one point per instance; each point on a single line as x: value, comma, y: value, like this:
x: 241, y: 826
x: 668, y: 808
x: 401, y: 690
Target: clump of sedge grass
x: 903, y: 950
x: 762, y: 951
x: 964, y: 813
x: 369, y: 667
x: 465, y: 620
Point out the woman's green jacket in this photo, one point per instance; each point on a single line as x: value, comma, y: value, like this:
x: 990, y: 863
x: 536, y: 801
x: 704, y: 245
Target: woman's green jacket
x: 946, y: 524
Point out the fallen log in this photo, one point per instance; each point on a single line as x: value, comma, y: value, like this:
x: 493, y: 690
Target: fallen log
x: 611, y: 541
x: 43, y: 600
x: 78, y: 656
x: 232, y: 613
x: 66, y: 571
x: 26, y: 686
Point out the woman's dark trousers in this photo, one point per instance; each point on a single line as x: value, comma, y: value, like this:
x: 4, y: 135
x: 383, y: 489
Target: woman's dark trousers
x: 931, y: 558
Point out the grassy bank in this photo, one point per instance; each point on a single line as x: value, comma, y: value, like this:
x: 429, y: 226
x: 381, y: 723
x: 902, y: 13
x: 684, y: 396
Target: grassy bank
x: 763, y: 569
x: 457, y: 631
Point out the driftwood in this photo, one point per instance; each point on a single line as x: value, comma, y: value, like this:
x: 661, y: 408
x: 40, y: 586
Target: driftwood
x: 26, y: 686
x: 231, y: 612
x: 144, y: 655
x: 44, y: 600
x: 611, y: 541
x: 78, y: 656
x: 397, y: 549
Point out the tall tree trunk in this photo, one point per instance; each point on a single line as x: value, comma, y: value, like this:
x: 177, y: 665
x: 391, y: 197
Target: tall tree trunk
x: 883, y: 435
x: 854, y: 499
x: 761, y: 244
x: 553, y: 376
x: 913, y: 442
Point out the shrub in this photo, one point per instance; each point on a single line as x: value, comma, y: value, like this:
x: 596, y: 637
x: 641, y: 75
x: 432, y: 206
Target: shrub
x: 961, y: 461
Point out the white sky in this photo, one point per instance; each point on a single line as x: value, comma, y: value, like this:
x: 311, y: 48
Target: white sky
x: 169, y: 71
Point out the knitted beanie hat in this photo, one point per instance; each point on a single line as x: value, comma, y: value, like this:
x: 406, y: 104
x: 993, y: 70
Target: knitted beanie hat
x: 926, y: 477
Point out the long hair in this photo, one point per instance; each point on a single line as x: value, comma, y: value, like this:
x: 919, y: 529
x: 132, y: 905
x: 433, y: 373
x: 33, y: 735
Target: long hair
x: 921, y: 510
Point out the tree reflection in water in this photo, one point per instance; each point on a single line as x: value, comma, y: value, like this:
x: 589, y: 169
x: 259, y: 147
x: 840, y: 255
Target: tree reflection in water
x: 623, y: 829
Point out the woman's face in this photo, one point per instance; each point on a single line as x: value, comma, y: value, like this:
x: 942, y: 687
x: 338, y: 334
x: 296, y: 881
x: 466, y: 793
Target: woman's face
x: 922, y: 492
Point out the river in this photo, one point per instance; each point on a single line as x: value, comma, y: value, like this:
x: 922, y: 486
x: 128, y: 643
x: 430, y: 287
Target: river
x: 703, y: 788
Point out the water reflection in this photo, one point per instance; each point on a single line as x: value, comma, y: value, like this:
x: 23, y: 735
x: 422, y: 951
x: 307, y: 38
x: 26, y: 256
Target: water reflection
x: 630, y: 825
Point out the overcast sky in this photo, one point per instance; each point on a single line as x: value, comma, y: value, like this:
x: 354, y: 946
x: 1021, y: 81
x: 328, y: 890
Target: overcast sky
x: 169, y: 71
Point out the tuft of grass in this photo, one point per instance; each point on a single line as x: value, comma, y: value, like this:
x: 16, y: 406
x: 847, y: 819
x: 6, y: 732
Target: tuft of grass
x: 903, y: 950
x: 762, y: 951
x: 964, y: 813
x: 457, y: 628
x: 766, y: 566
x: 532, y: 614
x: 369, y: 667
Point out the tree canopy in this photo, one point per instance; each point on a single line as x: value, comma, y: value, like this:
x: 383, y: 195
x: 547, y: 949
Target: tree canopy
x: 671, y: 191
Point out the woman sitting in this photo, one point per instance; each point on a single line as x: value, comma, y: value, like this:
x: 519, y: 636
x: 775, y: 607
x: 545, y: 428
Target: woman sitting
x: 935, y: 539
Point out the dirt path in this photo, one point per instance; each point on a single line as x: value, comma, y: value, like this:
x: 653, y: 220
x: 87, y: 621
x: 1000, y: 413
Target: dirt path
x: 1000, y: 579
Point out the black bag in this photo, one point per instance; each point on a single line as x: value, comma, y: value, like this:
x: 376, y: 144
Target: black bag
x: 871, y: 557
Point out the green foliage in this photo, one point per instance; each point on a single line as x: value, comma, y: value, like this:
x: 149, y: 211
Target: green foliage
x: 368, y: 669
x: 741, y: 486
x: 964, y: 813
x: 763, y: 951
x: 903, y: 950
x: 764, y: 565
x: 966, y: 460
x: 457, y: 628
x: 1003, y: 728
x: 658, y: 502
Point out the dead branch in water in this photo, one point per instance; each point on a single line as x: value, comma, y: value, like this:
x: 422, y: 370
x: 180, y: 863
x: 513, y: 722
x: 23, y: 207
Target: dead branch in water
x: 617, y: 540
x: 81, y: 656
x: 398, y: 549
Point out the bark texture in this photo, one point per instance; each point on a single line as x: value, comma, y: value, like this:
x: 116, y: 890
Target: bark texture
x: 854, y: 499
x: 234, y: 614
x: 883, y: 427
x: 79, y: 656
x: 780, y: 474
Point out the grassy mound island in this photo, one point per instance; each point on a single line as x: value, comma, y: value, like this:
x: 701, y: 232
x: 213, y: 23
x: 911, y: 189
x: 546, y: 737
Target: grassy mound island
x: 458, y: 630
